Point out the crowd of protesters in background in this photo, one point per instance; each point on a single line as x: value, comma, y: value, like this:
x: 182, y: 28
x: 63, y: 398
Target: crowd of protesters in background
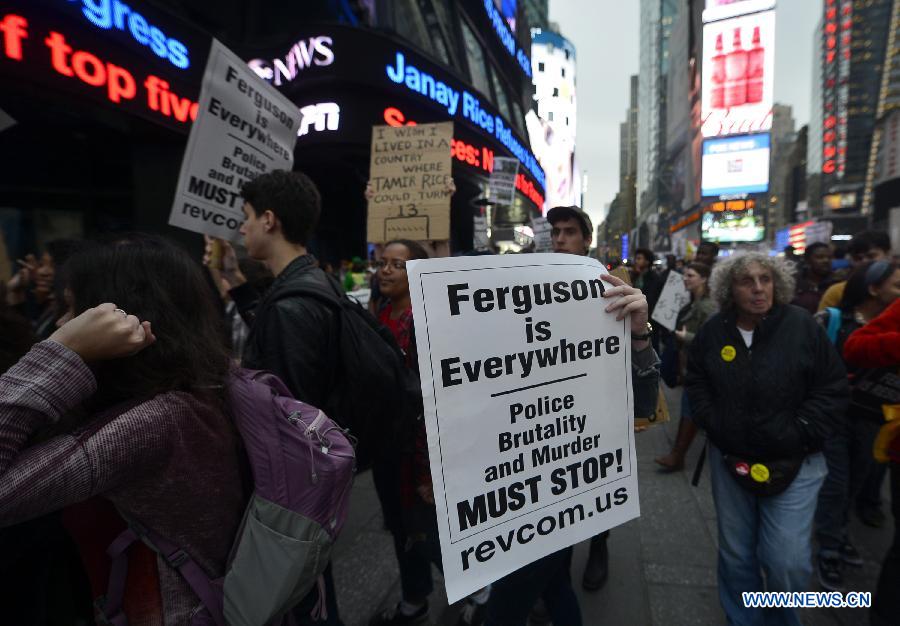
x: 116, y: 355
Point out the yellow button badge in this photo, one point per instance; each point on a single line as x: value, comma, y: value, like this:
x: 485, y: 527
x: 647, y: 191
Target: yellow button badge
x: 759, y: 473
x: 728, y: 353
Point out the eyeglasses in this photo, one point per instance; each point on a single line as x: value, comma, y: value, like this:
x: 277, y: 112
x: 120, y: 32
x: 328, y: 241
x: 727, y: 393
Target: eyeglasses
x: 397, y: 265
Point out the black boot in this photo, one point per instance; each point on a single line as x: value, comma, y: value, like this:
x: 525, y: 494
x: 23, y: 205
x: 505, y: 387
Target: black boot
x: 597, y: 569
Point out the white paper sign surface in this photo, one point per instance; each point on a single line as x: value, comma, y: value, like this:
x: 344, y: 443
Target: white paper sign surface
x: 244, y: 128
x: 503, y: 180
x: 528, y: 407
x: 541, y: 228
x: 672, y: 299
x: 480, y: 238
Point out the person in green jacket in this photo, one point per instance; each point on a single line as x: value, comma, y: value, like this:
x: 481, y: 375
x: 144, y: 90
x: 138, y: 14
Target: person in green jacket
x: 690, y: 318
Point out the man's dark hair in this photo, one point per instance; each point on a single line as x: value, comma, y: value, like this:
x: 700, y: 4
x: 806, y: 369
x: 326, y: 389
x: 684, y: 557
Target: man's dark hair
x: 648, y: 254
x: 811, y: 248
x: 865, y: 240
x: 712, y: 246
x: 560, y: 213
x: 292, y: 197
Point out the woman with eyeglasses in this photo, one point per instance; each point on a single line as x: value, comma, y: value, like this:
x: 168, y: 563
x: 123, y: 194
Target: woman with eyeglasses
x: 403, y: 481
x: 870, y: 290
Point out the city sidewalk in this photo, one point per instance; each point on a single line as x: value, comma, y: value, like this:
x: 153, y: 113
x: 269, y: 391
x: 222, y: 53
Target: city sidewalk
x: 662, y: 565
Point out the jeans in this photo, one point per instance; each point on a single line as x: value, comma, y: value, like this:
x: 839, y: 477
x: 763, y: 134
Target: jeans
x: 685, y: 406
x: 770, y: 535
x: 886, y: 601
x: 415, y: 554
x: 848, y: 453
x: 869, y: 496
x: 513, y: 596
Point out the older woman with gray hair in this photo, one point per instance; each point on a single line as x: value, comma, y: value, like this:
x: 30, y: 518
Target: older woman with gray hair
x: 769, y: 388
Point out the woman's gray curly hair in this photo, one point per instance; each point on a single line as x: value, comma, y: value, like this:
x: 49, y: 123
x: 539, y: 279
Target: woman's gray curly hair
x: 726, y: 272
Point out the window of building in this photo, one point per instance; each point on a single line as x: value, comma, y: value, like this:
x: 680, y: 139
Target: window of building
x: 556, y: 92
x: 563, y: 70
x: 501, y: 99
x: 540, y: 67
x: 550, y: 116
x: 475, y: 57
x: 411, y: 24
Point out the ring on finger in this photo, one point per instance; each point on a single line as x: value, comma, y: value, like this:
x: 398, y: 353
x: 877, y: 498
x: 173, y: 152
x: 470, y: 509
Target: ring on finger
x: 124, y: 314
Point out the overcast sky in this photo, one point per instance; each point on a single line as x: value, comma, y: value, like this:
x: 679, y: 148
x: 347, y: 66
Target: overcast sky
x: 605, y: 35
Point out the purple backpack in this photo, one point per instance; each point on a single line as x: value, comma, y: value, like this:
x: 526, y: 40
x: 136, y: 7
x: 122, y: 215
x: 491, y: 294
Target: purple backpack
x: 302, y: 465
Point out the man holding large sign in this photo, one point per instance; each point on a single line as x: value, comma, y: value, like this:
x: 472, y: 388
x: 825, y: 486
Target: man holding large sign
x: 527, y: 375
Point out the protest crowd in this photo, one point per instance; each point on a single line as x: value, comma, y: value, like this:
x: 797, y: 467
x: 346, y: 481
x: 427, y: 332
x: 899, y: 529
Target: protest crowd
x: 126, y: 443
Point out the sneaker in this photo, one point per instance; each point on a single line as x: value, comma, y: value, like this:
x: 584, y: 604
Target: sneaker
x: 871, y: 516
x: 473, y: 614
x: 393, y: 617
x: 850, y: 555
x: 830, y: 575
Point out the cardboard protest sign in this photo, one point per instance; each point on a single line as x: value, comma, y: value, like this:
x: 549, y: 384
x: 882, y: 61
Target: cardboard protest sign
x: 503, y: 180
x: 244, y: 128
x: 673, y: 297
x: 409, y: 170
x: 541, y: 229
x: 528, y: 407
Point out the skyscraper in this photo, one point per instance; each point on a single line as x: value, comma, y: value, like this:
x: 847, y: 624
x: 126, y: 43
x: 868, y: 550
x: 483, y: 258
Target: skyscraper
x: 854, y: 38
x: 552, y: 132
x: 657, y: 18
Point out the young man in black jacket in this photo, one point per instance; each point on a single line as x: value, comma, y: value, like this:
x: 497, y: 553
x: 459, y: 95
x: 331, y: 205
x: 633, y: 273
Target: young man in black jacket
x: 291, y: 335
x: 769, y: 388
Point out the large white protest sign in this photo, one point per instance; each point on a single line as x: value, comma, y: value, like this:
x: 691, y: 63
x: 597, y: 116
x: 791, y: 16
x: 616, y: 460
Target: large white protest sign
x: 528, y: 406
x: 672, y: 299
x: 244, y: 128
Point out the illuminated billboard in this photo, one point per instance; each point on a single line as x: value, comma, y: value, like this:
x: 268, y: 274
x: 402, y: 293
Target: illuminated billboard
x: 736, y: 165
x: 738, y: 75
x: 723, y: 9
x: 732, y: 227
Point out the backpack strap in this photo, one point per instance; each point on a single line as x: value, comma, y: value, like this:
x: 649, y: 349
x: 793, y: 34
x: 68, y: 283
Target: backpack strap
x: 834, y: 324
x: 176, y: 558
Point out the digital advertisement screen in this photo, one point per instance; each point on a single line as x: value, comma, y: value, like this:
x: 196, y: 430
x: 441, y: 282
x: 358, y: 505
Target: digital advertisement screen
x: 723, y: 9
x: 738, y: 75
x: 736, y: 165
x: 733, y: 227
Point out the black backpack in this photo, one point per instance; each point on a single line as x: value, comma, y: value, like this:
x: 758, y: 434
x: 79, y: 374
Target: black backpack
x: 374, y: 395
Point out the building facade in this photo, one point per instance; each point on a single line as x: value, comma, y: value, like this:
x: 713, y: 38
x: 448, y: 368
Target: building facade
x: 657, y: 18
x: 347, y: 66
x: 553, y: 129
x: 853, y: 38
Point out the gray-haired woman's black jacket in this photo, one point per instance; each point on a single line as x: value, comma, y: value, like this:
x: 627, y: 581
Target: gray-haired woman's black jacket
x: 781, y: 397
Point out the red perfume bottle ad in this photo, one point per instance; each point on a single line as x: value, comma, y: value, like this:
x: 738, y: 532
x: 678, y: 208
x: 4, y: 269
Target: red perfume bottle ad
x: 738, y: 72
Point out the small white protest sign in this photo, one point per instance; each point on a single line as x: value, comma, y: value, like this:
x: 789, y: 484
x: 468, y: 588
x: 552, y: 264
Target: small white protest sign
x: 542, y: 234
x: 244, y: 128
x: 503, y: 180
x: 480, y: 238
x: 528, y: 407
x: 672, y: 299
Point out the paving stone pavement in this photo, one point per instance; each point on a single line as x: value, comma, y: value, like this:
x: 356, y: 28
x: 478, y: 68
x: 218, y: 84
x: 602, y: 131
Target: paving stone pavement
x: 662, y: 565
